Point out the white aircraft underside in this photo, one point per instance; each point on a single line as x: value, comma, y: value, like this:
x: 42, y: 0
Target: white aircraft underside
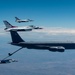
x: 19, y: 29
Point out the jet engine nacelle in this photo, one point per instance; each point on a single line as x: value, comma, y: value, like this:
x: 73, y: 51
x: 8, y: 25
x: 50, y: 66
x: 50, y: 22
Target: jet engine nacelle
x: 57, y: 49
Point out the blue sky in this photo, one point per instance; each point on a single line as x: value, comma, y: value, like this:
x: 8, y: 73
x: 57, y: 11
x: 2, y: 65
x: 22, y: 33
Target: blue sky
x: 52, y: 13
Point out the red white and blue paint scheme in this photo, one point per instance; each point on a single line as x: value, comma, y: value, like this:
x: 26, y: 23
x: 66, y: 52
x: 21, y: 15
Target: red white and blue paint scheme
x: 10, y: 27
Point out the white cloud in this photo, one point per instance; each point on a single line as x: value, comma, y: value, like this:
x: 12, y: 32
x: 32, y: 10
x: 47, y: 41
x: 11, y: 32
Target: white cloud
x: 46, y: 31
x: 56, y: 30
x: 2, y: 32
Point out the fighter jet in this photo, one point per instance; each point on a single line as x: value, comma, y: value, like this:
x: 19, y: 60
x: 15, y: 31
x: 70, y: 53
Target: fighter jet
x: 19, y: 20
x: 15, y: 28
x: 51, y: 46
x: 35, y: 27
x: 5, y: 61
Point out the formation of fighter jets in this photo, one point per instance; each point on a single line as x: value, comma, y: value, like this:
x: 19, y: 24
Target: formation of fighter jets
x: 16, y: 28
x: 18, y: 41
x: 11, y: 28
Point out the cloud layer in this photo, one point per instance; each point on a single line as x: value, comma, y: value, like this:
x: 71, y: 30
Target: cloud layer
x: 49, y: 30
x: 56, y: 30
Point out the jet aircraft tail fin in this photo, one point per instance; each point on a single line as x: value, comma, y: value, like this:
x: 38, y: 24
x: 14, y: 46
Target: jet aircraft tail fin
x: 17, y: 18
x: 16, y: 37
x: 7, y: 24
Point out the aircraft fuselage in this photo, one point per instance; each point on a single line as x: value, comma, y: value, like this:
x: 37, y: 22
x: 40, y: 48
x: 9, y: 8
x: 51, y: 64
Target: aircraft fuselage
x: 45, y: 45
